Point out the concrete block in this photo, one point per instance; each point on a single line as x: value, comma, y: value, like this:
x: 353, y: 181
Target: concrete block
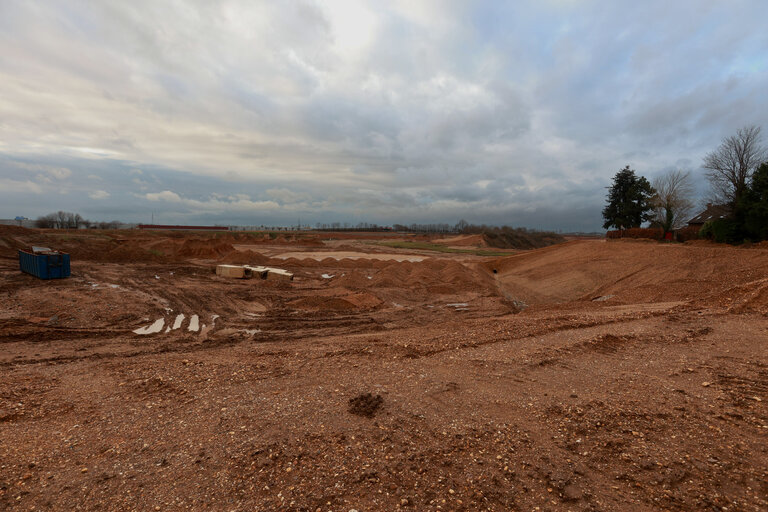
x: 258, y: 271
x: 279, y: 274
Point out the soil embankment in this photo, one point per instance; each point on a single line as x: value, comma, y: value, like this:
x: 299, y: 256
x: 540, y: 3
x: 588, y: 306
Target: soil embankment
x: 637, y: 273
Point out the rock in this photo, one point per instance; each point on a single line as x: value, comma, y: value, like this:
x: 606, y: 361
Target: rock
x: 572, y: 493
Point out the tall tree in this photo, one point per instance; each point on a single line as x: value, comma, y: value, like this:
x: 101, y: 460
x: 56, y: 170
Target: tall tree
x: 731, y: 165
x: 629, y: 201
x: 672, y: 204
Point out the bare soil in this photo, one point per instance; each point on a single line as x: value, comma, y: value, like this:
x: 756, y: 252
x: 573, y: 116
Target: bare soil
x: 584, y: 376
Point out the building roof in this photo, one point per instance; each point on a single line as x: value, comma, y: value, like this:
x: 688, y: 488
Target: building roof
x: 712, y: 212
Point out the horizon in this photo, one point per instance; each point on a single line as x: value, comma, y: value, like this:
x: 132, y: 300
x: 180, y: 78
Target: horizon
x: 339, y: 111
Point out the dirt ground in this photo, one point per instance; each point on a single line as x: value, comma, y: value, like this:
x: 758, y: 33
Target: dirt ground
x: 589, y: 375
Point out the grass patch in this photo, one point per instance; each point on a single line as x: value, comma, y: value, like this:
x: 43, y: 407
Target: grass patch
x: 155, y: 252
x: 427, y: 246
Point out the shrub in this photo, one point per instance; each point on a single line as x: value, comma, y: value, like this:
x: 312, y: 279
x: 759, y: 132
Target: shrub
x: 722, y: 231
x: 652, y: 233
x: 687, y: 233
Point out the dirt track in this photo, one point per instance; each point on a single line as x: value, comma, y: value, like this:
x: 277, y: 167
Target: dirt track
x: 500, y: 391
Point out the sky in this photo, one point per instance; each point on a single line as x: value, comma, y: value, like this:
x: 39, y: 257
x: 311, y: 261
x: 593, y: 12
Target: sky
x: 404, y: 111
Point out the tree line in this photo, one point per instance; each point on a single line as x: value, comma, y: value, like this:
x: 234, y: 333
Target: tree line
x: 737, y: 172
x: 69, y: 220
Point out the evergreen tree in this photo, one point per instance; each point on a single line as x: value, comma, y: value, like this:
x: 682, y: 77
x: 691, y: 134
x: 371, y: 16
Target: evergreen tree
x: 629, y: 201
x: 754, y: 206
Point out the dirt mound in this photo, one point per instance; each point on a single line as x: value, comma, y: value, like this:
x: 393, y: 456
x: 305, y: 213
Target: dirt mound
x: 9, y: 246
x: 365, y: 404
x: 127, y: 253
x: 245, y: 258
x: 430, y: 272
x: 212, y: 249
x: 363, y: 300
x: 633, y: 272
x: 350, y: 302
x: 354, y: 279
x: 6, y: 229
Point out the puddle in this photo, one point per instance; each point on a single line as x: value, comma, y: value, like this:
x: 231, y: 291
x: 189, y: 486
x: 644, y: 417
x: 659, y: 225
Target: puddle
x: 194, y: 323
x: 151, y: 329
x: 251, y: 332
x: 327, y: 276
x: 457, y: 305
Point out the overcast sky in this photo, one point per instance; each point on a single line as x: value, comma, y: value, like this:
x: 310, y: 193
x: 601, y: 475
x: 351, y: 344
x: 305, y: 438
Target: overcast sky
x: 400, y: 111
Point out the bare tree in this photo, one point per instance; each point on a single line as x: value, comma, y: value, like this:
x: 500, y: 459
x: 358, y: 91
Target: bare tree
x: 46, y: 221
x: 733, y: 162
x: 672, y: 200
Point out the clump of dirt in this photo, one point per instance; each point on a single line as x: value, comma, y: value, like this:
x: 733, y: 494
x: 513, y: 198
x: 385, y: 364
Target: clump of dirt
x: 365, y: 404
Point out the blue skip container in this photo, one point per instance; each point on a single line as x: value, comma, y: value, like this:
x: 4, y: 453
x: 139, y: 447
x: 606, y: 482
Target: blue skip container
x: 45, y: 265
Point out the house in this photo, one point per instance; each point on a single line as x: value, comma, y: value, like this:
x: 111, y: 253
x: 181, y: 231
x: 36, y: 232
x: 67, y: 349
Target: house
x: 711, y: 213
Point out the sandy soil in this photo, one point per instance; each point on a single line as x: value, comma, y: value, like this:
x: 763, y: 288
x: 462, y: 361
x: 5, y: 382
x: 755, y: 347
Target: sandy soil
x: 385, y: 385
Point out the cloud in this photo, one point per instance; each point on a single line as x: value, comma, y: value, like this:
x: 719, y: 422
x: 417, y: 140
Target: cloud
x: 285, y: 195
x: 98, y: 194
x: 237, y: 202
x: 19, y: 187
x: 165, y: 195
x: 391, y: 110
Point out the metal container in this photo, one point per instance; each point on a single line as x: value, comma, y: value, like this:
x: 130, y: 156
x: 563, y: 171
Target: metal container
x: 45, y: 265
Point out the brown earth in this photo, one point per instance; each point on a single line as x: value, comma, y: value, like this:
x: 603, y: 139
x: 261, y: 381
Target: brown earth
x: 583, y: 376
